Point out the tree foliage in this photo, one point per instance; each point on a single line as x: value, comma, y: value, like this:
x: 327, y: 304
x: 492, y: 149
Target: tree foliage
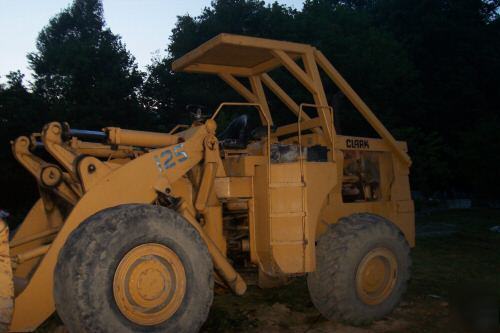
x: 84, y: 71
x: 428, y: 68
x: 21, y: 112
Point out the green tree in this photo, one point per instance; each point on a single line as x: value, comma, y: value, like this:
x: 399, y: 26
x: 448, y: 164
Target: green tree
x: 372, y: 60
x: 454, y: 46
x: 479, y: 159
x: 430, y: 155
x: 428, y: 68
x: 170, y: 92
x: 84, y: 71
x: 370, y: 56
x: 20, y: 113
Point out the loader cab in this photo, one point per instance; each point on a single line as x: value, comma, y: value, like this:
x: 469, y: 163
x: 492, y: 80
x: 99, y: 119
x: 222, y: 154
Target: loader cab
x: 303, y: 175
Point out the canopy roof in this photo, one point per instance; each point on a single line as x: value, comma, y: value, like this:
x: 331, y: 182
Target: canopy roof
x: 237, y: 55
x: 230, y: 56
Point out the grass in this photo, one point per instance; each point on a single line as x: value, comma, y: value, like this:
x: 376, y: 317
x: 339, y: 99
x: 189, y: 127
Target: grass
x: 470, y: 255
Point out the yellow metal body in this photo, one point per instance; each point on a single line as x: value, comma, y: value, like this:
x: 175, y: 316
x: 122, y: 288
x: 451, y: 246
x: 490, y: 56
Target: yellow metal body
x: 376, y: 276
x: 6, y: 281
x: 240, y: 200
x: 149, y: 284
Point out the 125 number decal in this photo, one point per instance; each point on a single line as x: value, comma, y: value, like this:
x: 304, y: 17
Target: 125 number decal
x: 166, y: 158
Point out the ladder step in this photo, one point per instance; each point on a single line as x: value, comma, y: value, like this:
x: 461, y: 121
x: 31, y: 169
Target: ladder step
x: 281, y: 185
x: 288, y: 242
x: 288, y: 214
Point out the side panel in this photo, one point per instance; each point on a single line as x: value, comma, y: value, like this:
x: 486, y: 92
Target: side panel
x: 320, y: 179
x: 404, y: 209
x: 287, y: 217
x: 296, y: 203
x: 395, y: 203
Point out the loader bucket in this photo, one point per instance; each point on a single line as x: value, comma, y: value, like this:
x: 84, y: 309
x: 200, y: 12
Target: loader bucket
x: 6, y: 282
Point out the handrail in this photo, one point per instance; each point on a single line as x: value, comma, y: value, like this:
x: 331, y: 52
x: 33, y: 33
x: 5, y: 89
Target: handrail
x: 301, y: 164
x: 293, y: 128
x: 268, y: 121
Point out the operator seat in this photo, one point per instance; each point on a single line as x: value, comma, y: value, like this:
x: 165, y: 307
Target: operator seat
x: 235, y: 135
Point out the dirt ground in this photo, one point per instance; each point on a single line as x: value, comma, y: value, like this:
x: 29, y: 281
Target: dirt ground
x: 457, y: 255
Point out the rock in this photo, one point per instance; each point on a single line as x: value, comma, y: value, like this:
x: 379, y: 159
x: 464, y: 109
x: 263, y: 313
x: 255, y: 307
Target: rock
x: 495, y: 228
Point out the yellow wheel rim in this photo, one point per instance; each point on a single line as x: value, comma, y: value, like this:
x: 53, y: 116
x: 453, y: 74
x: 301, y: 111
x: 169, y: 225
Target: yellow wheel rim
x: 376, y: 276
x: 149, y: 284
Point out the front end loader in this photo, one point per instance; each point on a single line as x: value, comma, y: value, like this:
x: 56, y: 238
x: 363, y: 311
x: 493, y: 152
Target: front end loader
x: 133, y: 228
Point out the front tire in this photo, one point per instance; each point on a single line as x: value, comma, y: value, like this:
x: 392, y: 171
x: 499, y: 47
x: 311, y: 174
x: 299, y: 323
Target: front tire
x: 134, y: 268
x: 362, y: 269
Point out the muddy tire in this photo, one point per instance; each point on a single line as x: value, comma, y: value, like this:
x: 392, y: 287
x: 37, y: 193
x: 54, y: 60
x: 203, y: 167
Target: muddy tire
x: 362, y: 269
x: 134, y: 268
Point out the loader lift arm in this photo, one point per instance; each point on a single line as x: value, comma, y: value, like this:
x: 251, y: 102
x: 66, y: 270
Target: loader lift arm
x: 102, y: 187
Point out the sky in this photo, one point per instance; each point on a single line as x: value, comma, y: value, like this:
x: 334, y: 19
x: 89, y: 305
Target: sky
x: 144, y: 25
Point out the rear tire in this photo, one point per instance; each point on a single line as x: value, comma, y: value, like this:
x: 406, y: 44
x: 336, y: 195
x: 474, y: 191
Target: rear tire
x: 362, y: 269
x: 134, y: 268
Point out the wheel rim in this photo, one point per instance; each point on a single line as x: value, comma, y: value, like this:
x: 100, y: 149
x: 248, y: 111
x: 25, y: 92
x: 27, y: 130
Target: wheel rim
x: 149, y: 284
x: 376, y: 276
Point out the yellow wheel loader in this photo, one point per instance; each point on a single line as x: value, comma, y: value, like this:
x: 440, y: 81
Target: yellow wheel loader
x: 133, y: 228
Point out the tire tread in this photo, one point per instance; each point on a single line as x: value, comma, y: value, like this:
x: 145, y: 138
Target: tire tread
x: 329, y: 286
